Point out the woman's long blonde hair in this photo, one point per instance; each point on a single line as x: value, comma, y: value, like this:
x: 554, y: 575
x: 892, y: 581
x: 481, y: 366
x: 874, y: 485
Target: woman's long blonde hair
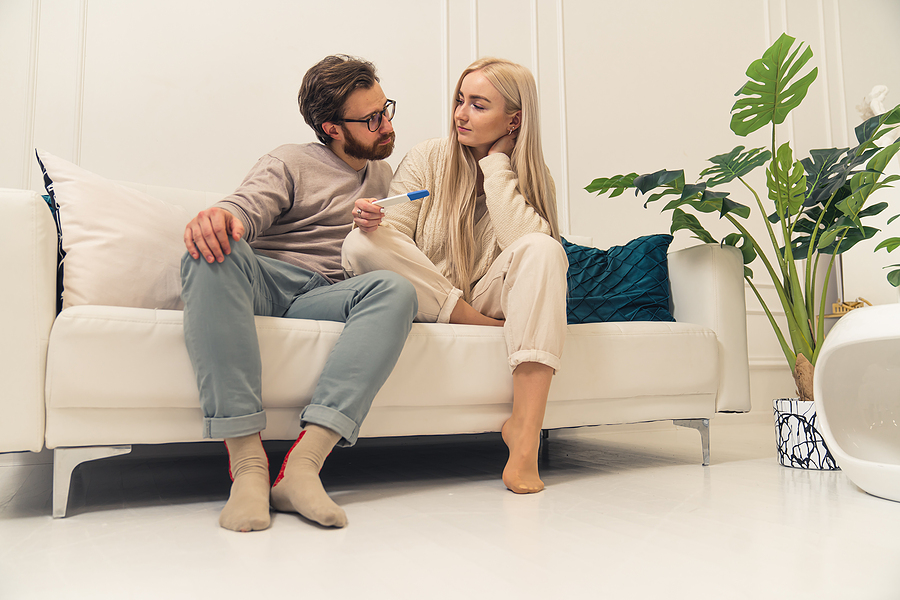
x: 516, y: 84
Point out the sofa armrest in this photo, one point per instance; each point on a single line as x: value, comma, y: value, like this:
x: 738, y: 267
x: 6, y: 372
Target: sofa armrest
x: 708, y: 289
x: 27, y: 310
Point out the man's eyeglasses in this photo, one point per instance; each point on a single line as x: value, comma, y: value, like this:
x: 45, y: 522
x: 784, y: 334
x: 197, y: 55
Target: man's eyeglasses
x: 373, y: 122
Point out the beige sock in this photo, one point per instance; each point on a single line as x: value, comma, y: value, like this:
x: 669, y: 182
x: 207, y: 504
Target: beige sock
x: 298, y: 487
x: 247, y: 508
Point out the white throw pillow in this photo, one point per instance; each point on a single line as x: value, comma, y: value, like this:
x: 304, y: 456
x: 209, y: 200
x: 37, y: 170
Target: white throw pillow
x: 123, y: 247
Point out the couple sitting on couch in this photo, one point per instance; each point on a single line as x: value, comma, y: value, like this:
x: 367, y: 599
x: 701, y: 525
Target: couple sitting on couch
x: 483, y: 248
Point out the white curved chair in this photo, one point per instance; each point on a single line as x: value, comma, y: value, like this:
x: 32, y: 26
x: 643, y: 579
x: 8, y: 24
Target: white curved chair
x: 857, y: 391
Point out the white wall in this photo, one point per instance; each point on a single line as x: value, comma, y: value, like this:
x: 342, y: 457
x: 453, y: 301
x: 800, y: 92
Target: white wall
x: 189, y: 93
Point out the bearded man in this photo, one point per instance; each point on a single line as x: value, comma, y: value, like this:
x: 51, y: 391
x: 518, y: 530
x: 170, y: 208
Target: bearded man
x: 273, y: 248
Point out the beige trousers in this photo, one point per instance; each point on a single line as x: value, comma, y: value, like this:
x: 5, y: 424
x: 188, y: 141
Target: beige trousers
x: 525, y: 286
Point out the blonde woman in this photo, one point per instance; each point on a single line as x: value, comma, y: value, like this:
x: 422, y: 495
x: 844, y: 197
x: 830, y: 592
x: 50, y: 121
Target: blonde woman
x: 483, y: 248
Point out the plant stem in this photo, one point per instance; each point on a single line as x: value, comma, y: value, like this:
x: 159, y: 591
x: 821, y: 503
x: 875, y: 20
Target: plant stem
x: 812, y: 268
x: 782, y: 259
x: 771, y: 231
x: 759, y: 251
x: 797, y: 338
x: 788, y: 352
x: 820, y: 329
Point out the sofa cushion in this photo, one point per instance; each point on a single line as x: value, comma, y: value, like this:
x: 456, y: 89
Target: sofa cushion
x: 623, y: 283
x: 119, y: 375
x: 111, y: 357
x: 122, y: 247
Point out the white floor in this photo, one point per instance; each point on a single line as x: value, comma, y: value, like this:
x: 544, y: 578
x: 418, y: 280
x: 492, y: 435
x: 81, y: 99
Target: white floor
x: 628, y: 512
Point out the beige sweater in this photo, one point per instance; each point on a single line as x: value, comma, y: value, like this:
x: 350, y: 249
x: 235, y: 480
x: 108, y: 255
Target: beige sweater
x: 507, y: 219
x: 296, y: 204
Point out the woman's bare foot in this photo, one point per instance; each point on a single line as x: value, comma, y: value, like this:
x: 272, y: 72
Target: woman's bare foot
x: 521, y: 472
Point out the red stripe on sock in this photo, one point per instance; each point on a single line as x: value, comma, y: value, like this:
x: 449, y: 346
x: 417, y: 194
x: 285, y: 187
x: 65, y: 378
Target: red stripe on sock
x: 227, y: 449
x: 286, y: 457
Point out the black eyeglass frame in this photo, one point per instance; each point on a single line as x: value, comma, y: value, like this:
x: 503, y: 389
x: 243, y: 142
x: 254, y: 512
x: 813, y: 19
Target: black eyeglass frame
x: 377, y: 116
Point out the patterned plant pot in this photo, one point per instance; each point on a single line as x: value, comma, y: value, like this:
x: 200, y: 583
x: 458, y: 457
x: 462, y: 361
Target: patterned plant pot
x: 799, y: 443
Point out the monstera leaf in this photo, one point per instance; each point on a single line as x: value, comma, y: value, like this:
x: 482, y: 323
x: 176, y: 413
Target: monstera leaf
x: 748, y: 251
x: 617, y: 184
x: 786, y: 182
x: 825, y: 173
x: 808, y: 219
x: 682, y: 220
x: 737, y: 163
x: 894, y: 276
x: 703, y: 200
x: 865, y: 182
x: 872, y: 129
x: 847, y: 229
x: 828, y: 170
x: 890, y: 245
x: 770, y: 95
x: 843, y: 235
x: 672, y: 183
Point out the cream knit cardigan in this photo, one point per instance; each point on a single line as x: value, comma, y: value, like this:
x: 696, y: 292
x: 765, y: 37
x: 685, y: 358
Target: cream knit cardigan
x: 507, y: 219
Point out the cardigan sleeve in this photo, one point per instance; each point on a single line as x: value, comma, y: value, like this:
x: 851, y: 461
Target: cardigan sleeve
x: 410, y: 177
x: 511, y: 216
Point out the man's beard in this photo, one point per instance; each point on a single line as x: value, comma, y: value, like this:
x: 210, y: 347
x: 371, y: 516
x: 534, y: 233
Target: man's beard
x: 355, y: 149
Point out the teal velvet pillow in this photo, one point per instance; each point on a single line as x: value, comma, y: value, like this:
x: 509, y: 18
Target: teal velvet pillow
x: 623, y: 283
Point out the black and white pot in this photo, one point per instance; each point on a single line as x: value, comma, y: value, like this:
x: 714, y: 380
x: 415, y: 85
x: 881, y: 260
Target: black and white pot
x: 799, y: 443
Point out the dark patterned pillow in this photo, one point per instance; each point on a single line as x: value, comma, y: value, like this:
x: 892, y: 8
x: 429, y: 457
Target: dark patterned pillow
x: 624, y: 283
x: 60, y: 253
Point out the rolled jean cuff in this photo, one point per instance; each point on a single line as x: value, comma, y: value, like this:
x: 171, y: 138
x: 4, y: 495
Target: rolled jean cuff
x: 538, y: 356
x: 452, y: 298
x: 230, y: 427
x: 338, y: 422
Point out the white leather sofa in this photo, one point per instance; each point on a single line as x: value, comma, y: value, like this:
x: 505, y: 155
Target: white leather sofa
x: 94, y: 380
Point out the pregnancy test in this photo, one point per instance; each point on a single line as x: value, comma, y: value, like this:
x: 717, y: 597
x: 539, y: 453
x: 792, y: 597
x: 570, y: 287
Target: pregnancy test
x: 401, y: 198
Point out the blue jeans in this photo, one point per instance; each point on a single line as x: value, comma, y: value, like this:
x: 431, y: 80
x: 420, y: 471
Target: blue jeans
x: 221, y: 300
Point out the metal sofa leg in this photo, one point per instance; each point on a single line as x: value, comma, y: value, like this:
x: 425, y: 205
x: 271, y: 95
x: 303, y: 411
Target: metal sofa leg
x: 64, y: 462
x: 702, y: 426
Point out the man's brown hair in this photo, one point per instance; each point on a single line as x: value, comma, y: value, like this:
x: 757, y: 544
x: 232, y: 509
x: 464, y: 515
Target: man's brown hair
x: 327, y: 86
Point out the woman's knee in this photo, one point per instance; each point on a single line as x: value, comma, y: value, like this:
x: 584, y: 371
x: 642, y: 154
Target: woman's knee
x: 545, y: 249
x: 358, y: 244
x: 353, y: 244
x: 358, y: 247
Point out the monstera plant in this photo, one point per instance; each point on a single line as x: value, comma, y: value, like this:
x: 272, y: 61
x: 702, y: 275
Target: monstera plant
x: 813, y: 210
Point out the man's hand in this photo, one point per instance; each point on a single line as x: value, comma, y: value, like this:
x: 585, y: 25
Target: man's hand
x: 208, y: 234
x: 366, y: 215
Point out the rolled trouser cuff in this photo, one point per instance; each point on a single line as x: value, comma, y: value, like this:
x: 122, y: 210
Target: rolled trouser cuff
x: 536, y: 356
x: 448, y: 306
x: 230, y: 427
x: 325, y: 416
